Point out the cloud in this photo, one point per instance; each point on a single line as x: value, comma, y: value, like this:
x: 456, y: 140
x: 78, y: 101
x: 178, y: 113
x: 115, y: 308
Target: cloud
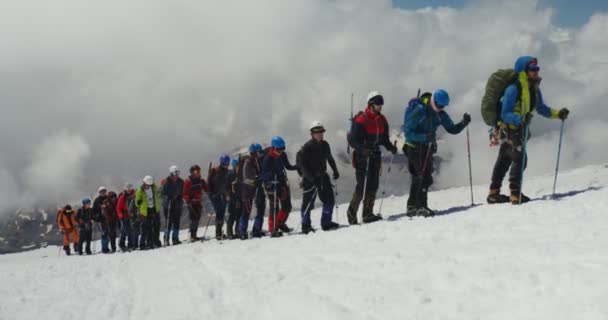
x: 145, y: 84
x: 57, y: 169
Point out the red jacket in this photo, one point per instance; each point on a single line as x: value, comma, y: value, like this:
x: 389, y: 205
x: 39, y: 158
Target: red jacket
x: 370, y: 130
x: 193, y: 190
x: 122, y: 208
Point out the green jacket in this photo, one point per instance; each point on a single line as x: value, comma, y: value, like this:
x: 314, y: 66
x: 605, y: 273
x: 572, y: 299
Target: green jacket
x: 141, y: 200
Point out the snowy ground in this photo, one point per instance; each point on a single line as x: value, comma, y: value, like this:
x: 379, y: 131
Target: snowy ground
x: 544, y: 260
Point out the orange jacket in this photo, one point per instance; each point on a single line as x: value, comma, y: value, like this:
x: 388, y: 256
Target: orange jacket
x: 66, y: 220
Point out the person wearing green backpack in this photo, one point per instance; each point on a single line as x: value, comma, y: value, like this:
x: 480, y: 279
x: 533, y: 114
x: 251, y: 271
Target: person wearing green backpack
x: 520, y: 99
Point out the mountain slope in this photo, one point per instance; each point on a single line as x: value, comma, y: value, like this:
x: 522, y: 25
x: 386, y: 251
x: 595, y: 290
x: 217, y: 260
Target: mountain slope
x: 542, y: 260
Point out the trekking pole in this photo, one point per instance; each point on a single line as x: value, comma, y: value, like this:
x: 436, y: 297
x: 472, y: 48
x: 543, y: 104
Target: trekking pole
x: 274, y: 221
x: 365, y: 185
x: 470, y: 167
x: 336, y: 200
x: 166, y: 235
x: 424, y: 165
x: 523, y: 161
x: 312, y: 200
x: 352, y: 97
x: 388, y: 171
x: 206, y: 226
x: 559, y: 149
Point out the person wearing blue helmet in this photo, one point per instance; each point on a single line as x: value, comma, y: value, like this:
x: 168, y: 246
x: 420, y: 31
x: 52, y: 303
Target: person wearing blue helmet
x: 234, y: 201
x: 218, y: 193
x: 276, y: 185
x: 423, y: 116
x: 520, y: 99
x: 84, y: 219
x: 254, y: 163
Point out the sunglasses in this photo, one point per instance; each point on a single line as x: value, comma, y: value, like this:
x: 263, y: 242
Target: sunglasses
x: 377, y: 100
x: 533, y: 67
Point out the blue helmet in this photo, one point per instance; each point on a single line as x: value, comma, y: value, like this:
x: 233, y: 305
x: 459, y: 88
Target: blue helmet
x: 86, y: 201
x: 255, y: 147
x: 278, y: 143
x: 234, y: 162
x: 224, y: 160
x: 441, y: 97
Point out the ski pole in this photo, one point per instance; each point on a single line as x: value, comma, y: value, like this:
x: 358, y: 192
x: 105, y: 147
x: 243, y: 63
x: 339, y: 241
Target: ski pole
x: 166, y: 235
x: 559, y: 149
x: 365, y: 185
x: 470, y: 167
x: 206, y: 227
x: 312, y: 200
x: 336, y: 200
x: 274, y: 221
x: 388, y: 171
x: 523, y: 161
x: 424, y: 165
x: 352, y: 97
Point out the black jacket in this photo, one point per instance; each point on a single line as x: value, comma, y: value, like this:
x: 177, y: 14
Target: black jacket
x: 218, y: 181
x: 312, y: 159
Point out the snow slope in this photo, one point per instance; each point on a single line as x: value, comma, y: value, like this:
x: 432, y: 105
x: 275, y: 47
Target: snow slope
x: 547, y: 259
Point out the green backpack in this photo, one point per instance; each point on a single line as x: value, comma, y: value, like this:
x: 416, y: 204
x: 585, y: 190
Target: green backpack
x: 495, y: 89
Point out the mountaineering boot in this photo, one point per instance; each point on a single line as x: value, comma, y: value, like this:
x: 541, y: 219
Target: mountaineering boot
x: 284, y: 228
x: 67, y: 250
x: 515, y: 198
x: 218, y: 231
x: 306, y: 229
x: 276, y: 233
x: 411, y: 211
x: 372, y: 218
x: 256, y: 234
x: 176, y: 242
x: 495, y: 197
x: 330, y: 226
x: 425, y: 212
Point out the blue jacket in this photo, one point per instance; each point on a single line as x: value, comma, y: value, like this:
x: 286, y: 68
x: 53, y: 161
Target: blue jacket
x: 420, y: 119
x: 274, y: 165
x: 511, y: 102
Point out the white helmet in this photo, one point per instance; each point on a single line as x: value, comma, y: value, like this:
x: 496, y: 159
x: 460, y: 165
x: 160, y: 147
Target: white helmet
x: 102, y: 188
x: 317, y: 126
x: 373, y: 94
x: 148, y: 180
x: 173, y: 169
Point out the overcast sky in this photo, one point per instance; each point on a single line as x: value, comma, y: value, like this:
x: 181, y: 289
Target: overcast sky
x: 102, y: 92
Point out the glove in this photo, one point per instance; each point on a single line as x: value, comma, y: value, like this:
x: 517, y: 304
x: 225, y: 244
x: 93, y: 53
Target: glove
x: 563, y: 114
x: 466, y: 119
x: 336, y: 175
x: 526, y: 118
x: 392, y: 149
x: 139, y: 202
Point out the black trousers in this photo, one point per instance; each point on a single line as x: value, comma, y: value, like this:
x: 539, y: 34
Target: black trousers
x: 173, y: 215
x: 234, y: 214
x: 420, y: 166
x: 195, y: 210
x: 509, y: 156
x: 369, y: 171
